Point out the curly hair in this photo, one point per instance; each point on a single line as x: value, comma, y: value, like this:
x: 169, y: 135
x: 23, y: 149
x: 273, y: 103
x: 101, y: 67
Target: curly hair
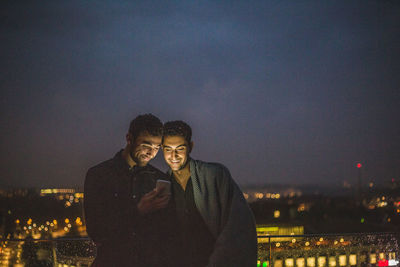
x: 178, y: 128
x: 147, y: 123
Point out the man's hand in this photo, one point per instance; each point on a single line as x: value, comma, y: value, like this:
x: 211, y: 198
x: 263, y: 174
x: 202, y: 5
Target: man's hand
x: 152, y: 201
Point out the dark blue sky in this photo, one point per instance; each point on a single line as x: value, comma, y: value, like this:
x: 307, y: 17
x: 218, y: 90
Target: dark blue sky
x: 278, y: 91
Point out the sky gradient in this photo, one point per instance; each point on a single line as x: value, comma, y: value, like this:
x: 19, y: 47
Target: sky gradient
x: 292, y: 92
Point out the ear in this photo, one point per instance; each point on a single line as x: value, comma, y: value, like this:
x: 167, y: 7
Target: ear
x: 191, y: 146
x: 128, y: 138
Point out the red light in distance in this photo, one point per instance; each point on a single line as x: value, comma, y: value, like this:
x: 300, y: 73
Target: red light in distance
x: 359, y: 165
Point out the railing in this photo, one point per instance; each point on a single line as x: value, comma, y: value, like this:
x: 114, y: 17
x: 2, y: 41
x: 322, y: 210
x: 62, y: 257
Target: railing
x: 329, y: 250
x: 325, y: 250
x: 62, y: 252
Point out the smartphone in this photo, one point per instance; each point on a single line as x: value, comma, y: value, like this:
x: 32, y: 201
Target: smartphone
x: 164, y: 187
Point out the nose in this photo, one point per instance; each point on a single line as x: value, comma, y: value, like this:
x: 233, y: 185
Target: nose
x: 150, y: 151
x: 174, y: 154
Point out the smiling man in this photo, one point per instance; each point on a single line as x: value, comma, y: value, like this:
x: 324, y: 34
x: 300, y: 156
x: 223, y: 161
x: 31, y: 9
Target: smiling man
x: 126, y: 216
x: 215, y: 223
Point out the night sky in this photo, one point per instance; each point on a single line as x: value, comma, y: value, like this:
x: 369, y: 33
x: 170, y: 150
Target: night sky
x: 288, y: 92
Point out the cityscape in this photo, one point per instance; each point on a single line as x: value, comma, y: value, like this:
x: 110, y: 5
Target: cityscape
x: 297, y: 226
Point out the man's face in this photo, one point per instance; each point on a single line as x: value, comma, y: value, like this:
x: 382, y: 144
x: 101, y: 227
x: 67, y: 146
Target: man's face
x: 176, y: 151
x: 144, y: 148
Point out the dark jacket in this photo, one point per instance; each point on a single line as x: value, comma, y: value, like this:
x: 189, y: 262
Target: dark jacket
x: 122, y: 236
x: 225, y: 211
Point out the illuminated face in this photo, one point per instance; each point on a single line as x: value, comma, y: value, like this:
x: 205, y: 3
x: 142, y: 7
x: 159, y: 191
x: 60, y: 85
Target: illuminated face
x: 144, y: 148
x: 176, y: 152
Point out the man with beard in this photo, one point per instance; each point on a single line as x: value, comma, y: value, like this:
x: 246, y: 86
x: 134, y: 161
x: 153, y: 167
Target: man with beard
x: 126, y: 216
x: 216, y: 225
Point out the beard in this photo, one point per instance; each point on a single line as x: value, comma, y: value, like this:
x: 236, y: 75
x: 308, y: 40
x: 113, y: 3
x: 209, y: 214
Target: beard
x: 182, y: 166
x: 141, y: 160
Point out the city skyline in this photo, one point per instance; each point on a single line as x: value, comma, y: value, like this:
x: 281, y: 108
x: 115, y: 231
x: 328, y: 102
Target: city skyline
x: 279, y: 92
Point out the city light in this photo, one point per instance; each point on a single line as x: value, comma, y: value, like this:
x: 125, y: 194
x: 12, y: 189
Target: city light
x: 342, y: 260
x: 310, y: 262
x: 289, y: 262
x: 301, y: 207
x: 332, y: 261
x: 321, y: 261
x: 277, y: 214
x: 300, y: 262
x: 353, y: 259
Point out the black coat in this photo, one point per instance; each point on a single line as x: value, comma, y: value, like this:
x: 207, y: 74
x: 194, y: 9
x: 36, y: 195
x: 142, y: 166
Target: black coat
x: 122, y: 236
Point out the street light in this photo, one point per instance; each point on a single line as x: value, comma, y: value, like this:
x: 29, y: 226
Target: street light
x: 359, y: 193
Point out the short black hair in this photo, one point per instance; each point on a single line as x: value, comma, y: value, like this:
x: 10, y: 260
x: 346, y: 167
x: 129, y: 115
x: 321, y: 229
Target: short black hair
x: 147, y: 123
x: 178, y: 128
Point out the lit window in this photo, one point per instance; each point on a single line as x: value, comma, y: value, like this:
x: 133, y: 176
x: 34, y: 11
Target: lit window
x: 353, y: 259
x: 278, y: 263
x: 311, y: 262
x: 332, y: 261
x: 321, y: 261
x: 300, y: 262
x: 372, y: 258
x: 342, y: 260
x: 289, y: 262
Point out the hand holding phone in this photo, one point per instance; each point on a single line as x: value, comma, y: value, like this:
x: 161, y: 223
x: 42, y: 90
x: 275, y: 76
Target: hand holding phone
x: 163, y: 187
x: 156, y: 199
